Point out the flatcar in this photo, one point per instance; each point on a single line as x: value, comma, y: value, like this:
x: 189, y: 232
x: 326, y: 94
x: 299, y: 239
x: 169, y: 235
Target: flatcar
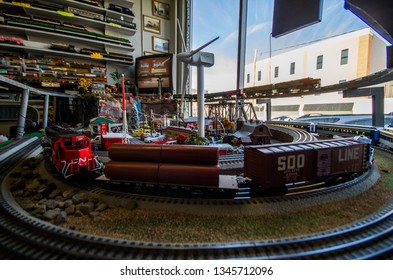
x: 347, y: 130
x: 71, y: 152
x: 308, y: 126
x: 164, y: 164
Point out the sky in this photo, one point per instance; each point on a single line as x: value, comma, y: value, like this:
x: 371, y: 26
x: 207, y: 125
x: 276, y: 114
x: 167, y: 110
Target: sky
x: 212, y: 18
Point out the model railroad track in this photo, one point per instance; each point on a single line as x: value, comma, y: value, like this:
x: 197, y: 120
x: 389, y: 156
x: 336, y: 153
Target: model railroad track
x: 231, y: 159
x: 386, y: 151
x: 28, y: 238
x: 25, y: 237
x: 16, y: 151
x: 10, y: 156
x: 290, y: 134
x: 296, y: 135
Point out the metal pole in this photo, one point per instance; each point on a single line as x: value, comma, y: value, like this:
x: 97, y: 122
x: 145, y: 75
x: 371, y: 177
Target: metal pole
x: 201, y: 101
x: 22, y: 114
x: 46, y: 110
x: 241, y: 50
x: 125, y: 139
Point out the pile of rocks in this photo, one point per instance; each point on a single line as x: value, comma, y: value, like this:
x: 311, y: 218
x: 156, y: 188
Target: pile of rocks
x: 48, y: 201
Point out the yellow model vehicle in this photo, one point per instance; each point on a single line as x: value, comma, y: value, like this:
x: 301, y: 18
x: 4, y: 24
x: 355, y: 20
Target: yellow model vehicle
x: 140, y: 131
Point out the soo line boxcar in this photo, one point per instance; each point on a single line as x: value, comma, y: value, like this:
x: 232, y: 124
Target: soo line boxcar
x: 275, y: 167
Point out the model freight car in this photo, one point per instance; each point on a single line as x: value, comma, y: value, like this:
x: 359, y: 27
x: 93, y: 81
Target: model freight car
x: 268, y: 169
x: 273, y: 168
x: 181, y: 166
x: 386, y: 138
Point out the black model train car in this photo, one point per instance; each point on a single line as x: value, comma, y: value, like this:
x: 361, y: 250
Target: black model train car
x: 273, y: 168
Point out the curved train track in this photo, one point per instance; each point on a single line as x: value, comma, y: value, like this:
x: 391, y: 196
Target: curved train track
x: 25, y: 237
x: 290, y: 134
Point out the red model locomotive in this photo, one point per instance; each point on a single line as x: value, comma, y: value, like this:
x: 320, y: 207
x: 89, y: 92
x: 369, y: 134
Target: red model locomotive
x: 71, y: 152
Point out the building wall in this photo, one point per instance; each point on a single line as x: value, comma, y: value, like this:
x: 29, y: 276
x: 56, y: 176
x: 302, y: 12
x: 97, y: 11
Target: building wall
x: 366, y: 55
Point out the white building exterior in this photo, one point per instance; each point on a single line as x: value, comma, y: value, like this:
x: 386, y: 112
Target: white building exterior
x: 333, y: 60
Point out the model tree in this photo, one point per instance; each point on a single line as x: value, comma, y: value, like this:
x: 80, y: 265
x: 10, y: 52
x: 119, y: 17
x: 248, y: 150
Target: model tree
x: 195, y: 139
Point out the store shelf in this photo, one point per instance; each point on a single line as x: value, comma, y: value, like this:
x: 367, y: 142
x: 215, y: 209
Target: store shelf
x: 50, y: 33
x: 44, y: 26
x: 59, y: 15
x: 96, y: 9
x: 60, y: 53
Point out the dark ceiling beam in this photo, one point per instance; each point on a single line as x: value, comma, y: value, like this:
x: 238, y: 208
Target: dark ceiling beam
x: 376, y: 13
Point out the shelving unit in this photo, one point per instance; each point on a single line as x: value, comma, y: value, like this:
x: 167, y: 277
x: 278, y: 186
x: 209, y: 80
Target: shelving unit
x: 28, y: 31
x: 34, y: 50
x: 64, y: 16
x: 44, y: 26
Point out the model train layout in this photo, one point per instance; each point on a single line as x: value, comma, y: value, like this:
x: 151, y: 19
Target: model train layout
x: 267, y: 169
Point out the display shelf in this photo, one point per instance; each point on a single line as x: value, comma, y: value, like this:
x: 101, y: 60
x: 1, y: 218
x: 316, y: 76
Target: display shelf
x: 60, y: 53
x: 96, y: 9
x: 88, y: 31
x: 27, y: 30
x: 67, y: 17
x: 10, y: 83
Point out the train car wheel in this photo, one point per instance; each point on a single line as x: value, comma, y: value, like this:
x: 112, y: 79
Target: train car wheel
x: 353, y: 176
x: 261, y: 192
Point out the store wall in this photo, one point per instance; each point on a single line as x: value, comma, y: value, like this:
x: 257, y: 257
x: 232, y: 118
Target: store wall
x: 145, y: 35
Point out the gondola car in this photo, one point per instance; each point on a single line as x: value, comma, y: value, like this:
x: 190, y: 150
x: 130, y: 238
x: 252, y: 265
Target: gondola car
x: 71, y: 152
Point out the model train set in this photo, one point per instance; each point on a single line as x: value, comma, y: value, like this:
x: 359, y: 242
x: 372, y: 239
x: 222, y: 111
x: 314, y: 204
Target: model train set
x: 268, y: 169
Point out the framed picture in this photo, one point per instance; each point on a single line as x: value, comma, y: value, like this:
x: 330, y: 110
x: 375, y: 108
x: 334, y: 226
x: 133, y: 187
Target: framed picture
x: 151, y: 24
x: 160, y: 44
x: 161, y: 9
x: 148, y: 53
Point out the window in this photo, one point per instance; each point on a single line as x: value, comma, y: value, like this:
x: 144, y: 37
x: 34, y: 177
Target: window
x: 319, y: 61
x: 248, y: 78
x: 340, y: 82
x: 209, y: 20
x: 276, y: 72
x: 344, y: 56
x: 259, y: 75
x: 292, y: 70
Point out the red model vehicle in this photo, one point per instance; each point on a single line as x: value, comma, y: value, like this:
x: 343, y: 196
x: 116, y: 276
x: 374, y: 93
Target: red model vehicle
x: 71, y: 152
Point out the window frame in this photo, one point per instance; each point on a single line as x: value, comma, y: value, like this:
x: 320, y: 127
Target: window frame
x: 292, y: 68
x: 344, y: 56
x: 319, y: 64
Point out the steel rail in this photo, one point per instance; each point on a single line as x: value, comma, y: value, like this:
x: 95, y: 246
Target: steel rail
x: 25, y: 237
